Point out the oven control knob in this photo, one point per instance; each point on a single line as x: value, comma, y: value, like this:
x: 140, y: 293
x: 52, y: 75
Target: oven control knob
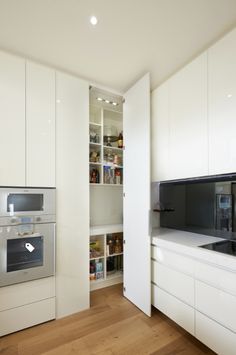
x: 38, y: 219
x: 13, y: 220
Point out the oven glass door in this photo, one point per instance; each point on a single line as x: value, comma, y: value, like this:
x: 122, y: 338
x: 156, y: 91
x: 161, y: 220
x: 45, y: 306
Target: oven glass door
x: 24, y: 253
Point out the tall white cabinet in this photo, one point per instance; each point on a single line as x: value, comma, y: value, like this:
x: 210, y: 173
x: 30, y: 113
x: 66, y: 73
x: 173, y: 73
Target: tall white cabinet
x: 40, y: 125
x: 12, y: 120
x: 222, y: 105
x: 72, y: 183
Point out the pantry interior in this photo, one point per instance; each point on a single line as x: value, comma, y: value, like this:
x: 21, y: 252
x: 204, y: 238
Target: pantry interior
x: 106, y: 146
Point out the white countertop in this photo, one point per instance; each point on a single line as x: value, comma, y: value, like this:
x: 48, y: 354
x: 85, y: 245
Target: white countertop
x: 188, y: 243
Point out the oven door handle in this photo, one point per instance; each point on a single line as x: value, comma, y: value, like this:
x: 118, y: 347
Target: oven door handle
x: 29, y: 234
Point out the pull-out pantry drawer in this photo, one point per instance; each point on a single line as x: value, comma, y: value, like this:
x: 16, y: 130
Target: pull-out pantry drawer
x: 178, y: 311
x: 174, y: 282
x: 214, y: 335
x: 176, y: 261
x: 217, y: 304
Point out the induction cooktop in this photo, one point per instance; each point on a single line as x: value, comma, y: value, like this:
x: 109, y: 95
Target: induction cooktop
x: 225, y: 246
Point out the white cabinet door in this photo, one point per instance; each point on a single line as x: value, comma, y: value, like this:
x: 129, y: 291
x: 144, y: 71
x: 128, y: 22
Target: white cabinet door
x: 176, y: 310
x: 40, y: 125
x: 12, y: 120
x: 222, y: 105
x: 174, y: 282
x: 188, y: 121
x: 72, y: 170
x: 160, y: 133
x: 137, y: 280
x: 218, y: 338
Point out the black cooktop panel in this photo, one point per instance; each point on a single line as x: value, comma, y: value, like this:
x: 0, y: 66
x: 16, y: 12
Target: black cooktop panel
x: 225, y: 246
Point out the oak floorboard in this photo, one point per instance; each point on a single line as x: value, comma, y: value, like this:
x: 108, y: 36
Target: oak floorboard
x: 111, y: 326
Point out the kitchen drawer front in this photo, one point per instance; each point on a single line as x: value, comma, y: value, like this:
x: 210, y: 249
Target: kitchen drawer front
x: 178, y: 311
x: 174, y: 260
x: 174, y: 282
x: 214, y: 335
x: 217, y: 277
x: 217, y: 304
x: 26, y: 292
x: 19, y: 318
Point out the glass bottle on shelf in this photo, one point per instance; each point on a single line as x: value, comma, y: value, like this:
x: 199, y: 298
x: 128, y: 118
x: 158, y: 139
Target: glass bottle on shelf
x: 120, y: 140
x: 117, y: 248
x: 94, y: 176
x: 117, y: 176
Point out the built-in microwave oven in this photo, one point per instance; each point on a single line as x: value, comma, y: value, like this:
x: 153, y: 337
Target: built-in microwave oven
x: 26, y: 201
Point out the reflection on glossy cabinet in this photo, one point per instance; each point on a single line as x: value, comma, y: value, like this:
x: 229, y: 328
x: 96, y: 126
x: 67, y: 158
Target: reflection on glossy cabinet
x: 160, y: 133
x: 12, y: 120
x: 40, y: 125
x: 222, y: 105
x: 72, y: 132
x: 188, y: 120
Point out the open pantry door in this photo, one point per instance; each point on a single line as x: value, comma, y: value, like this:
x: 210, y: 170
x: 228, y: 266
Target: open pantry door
x: 137, y: 263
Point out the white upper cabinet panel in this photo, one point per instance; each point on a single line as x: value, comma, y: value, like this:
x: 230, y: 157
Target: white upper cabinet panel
x: 222, y: 105
x: 40, y: 125
x: 12, y: 120
x: 160, y: 133
x: 188, y: 121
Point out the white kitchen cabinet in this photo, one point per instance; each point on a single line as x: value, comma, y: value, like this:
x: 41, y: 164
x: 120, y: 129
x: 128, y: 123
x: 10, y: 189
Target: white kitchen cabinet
x: 218, y: 338
x: 27, y: 316
x: 178, y: 311
x: 26, y: 304
x: 188, y: 121
x: 12, y: 120
x: 40, y: 125
x: 137, y: 251
x: 196, y: 292
x: 222, y: 105
x: 72, y: 171
x: 174, y: 282
x: 216, y: 304
x: 160, y: 133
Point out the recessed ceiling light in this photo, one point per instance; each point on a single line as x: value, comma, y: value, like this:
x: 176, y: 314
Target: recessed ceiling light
x: 107, y: 101
x: 114, y: 103
x: 93, y: 20
x: 229, y: 96
x: 99, y: 98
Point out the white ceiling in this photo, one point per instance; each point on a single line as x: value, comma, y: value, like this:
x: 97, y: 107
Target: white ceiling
x: 131, y: 38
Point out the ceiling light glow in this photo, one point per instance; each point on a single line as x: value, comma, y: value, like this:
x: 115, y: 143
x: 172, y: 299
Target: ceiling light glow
x: 99, y: 98
x: 93, y: 20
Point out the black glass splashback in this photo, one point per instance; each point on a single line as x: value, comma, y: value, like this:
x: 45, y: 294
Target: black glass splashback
x: 205, y: 205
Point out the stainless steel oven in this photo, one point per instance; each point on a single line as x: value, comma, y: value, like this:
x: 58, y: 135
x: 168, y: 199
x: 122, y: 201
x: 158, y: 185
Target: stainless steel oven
x: 27, y: 235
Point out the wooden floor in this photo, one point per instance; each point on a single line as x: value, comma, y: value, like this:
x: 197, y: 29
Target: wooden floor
x: 112, y: 326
